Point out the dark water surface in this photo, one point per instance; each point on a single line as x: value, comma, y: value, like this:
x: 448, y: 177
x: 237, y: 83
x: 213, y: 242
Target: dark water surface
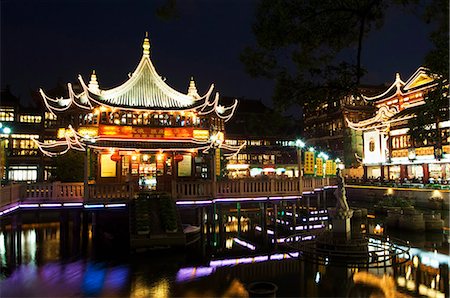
x: 43, y: 266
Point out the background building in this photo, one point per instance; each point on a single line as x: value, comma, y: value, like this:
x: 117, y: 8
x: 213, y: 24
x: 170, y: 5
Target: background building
x: 324, y: 126
x: 21, y: 160
x: 389, y: 151
x: 269, y: 138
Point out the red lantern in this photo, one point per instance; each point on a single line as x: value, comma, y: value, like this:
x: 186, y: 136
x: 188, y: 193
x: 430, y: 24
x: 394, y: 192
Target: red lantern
x: 115, y: 157
x: 178, y: 158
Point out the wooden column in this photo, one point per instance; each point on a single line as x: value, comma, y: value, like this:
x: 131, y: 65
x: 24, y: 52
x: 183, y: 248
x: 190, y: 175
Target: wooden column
x: 426, y: 173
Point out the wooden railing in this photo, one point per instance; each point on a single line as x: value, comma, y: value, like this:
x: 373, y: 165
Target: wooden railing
x: 181, y: 190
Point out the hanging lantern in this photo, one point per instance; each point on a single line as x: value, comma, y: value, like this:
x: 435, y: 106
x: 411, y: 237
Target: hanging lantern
x: 116, y: 157
x: 178, y: 157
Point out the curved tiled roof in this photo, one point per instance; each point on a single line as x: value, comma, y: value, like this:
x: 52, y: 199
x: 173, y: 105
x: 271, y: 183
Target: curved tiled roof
x: 145, y: 89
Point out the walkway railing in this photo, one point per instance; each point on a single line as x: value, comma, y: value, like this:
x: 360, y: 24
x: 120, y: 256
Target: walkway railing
x: 181, y: 190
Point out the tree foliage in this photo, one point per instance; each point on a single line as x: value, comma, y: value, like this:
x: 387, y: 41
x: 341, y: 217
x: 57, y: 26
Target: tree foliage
x: 312, y: 49
x: 69, y: 167
x: 425, y: 126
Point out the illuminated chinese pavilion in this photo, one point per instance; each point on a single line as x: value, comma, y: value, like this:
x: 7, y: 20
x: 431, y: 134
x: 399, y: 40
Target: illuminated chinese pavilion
x: 143, y: 129
x: 389, y: 152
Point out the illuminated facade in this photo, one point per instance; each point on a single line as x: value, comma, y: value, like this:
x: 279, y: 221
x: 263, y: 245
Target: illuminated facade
x: 324, y: 126
x: 142, y: 130
x: 389, y: 152
x: 268, y: 150
x: 20, y: 158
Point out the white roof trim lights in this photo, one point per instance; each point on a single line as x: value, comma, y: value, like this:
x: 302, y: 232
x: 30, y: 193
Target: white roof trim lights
x: 420, y: 71
x: 383, y: 114
x: 398, y: 83
x: 74, y: 140
x: 144, y: 90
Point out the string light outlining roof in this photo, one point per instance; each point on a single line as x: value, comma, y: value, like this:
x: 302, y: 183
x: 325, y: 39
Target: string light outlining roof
x: 144, y: 90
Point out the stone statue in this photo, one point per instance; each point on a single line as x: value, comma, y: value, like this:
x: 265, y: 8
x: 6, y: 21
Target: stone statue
x: 341, y: 199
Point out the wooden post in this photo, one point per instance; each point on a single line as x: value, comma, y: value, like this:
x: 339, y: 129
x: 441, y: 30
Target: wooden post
x: 300, y: 172
x: 275, y: 224
x: 86, y: 175
x: 443, y: 270
x: 307, y: 212
x: 238, y: 207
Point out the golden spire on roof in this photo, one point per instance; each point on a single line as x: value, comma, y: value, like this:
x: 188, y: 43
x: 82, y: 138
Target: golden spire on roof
x: 146, y: 46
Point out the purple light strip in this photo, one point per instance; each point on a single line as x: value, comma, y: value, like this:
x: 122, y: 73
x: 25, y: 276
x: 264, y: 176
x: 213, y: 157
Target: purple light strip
x: 241, y: 199
x: 225, y: 200
x: 29, y: 205
x: 10, y: 209
x: 185, y: 274
x: 72, y: 204
x: 194, y: 202
x: 244, y: 243
x: 115, y: 205
x: 297, y: 238
x: 292, y: 197
x: 51, y: 205
x: 56, y: 205
x: 189, y: 273
x: 259, y: 229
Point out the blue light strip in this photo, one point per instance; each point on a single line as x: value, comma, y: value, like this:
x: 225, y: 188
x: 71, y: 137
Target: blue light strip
x: 94, y: 206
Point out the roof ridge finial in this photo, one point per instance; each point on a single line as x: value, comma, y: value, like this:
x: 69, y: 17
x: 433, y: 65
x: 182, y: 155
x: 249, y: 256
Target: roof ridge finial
x: 192, y: 90
x: 398, y: 81
x: 146, y: 46
x: 93, y: 83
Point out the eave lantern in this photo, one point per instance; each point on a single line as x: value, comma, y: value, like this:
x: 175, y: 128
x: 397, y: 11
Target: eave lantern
x: 116, y: 157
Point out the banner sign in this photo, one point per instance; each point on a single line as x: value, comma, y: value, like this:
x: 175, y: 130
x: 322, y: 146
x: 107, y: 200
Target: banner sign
x: 217, y: 162
x: 319, y: 169
x: 329, y: 168
x: 309, y: 163
x: 148, y: 132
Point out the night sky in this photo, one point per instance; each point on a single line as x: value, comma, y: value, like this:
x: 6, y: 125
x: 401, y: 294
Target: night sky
x: 43, y: 42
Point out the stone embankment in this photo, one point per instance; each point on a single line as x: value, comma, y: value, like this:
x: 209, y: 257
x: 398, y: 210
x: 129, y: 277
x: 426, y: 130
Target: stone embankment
x: 408, y: 218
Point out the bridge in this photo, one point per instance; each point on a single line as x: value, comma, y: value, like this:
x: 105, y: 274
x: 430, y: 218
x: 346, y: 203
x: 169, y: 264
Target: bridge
x: 59, y: 194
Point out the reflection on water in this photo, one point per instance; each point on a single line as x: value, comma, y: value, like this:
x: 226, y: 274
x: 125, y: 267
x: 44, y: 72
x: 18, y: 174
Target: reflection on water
x: 43, y: 260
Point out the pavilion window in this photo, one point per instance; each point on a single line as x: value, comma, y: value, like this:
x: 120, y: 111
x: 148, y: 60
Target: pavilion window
x: 103, y: 118
x: 139, y: 119
x: 166, y: 120
x: 123, y: 119
x: 129, y: 118
x: 145, y: 119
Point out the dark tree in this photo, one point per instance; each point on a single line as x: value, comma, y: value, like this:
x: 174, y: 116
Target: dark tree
x: 424, y: 128
x: 69, y: 167
x: 311, y: 48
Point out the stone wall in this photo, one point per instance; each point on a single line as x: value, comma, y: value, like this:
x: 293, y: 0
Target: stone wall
x: 418, y: 197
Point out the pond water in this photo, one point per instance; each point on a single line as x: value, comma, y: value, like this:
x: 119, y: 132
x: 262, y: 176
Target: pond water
x: 43, y: 266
